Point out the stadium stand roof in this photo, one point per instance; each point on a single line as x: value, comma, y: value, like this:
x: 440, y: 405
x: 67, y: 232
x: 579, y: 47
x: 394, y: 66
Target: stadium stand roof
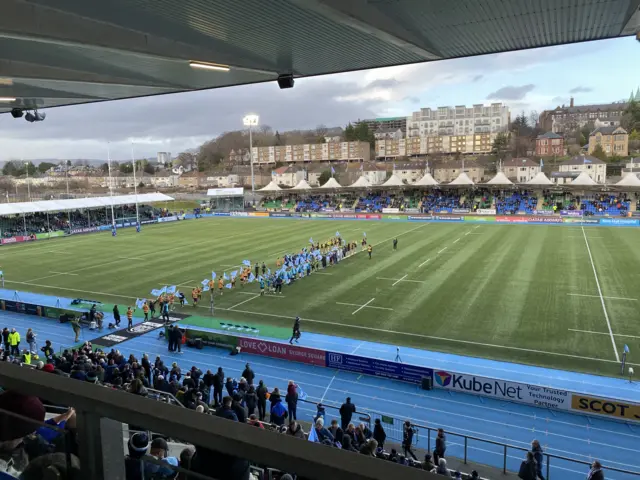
x: 462, y: 179
x: 362, y: 182
x: 629, y: 180
x: 302, y: 185
x: 500, y: 179
x: 583, y: 180
x: 540, y: 179
x: 426, y: 180
x: 271, y: 187
x: 393, y: 181
x: 56, y: 52
x: 332, y: 183
x: 80, y: 203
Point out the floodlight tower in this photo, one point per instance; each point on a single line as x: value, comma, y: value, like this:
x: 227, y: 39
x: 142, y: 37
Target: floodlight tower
x: 251, y: 121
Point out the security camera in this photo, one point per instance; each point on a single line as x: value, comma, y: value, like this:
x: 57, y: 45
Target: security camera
x: 36, y: 116
x: 16, y: 112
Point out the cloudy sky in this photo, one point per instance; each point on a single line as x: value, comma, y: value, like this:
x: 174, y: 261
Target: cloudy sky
x: 539, y: 79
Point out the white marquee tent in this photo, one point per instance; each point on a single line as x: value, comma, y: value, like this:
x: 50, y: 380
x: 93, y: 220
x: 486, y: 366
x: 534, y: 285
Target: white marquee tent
x: 583, y: 180
x: 271, y: 187
x: 80, y: 203
x: 539, y: 179
x: 362, y: 182
x: 500, y: 179
x: 425, y: 181
x: 302, y: 185
x: 462, y: 179
x: 629, y: 180
x: 331, y: 184
x: 393, y: 181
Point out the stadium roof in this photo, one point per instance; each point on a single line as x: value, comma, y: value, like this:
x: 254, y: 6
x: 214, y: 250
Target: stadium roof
x: 271, y: 187
x: 426, y: 180
x: 79, y: 203
x: 332, y: 183
x: 462, y: 179
x: 393, y: 181
x: 584, y: 180
x: 540, y: 179
x: 62, y: 52
x: 500, y: 179
x: 302, y: 185
x: 362, y: 182
x: 629, y: 180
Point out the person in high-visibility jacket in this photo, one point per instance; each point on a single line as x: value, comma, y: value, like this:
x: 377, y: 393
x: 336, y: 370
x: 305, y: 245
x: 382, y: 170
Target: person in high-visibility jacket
x: 14, y: 342
x: 26, y: 357
x: 145, y: 309
x: 130, y: 318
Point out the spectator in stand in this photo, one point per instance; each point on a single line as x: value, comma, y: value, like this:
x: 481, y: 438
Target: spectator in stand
x: 278, y: 411
x: 442, y: 469
x: 226, y: 410
x: 253, y: 421
x: 596, y: 472
x: 275, y: 396
x: 528, y: 468
x: 41, y: 467
x: 160, y: 451
x: 31, y: 340
x: 5, y: 340
x: 248, y: 374
x: 14, y: 342
x: 369, y: 448
x: 336, y: 431
x: 379, y: 434
x: 251, y: 400
x: 322, y: 433
x: 230, y: 386
x: 218, y: 382
x: 407, y: 440
x: 217, y: 465
x: 292, y: 400
x: 295, y: 430
x: 428, y: 465
x: 441, y: 446
x: 351, y: 432
x: 537, y: 451
x: 347, y: 444
x: 346, y: 412
x: 262, y: 393
x: 238, y: 409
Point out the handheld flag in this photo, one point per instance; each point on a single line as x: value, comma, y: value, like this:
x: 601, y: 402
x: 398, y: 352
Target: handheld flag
x: 234, y: 274
x: 364, y: 234
x: 252, y: 277
x: 311, y: 240
x: 139, y: 303
x: 205, y: 282
x: 156, y: 292
x: 228, y: 285
x: 337, y: 234
x: 213, y: 275
x: 333, y: 170
x: 225, y: 276
x: 313, y: 435
x: 626, y: 348
x: 268, y: 271
x: 172, y: 289
x: 205, y: 288
x: 246, y: 263
x: 301, y: 394
x: 541, y: 163
x: 1, y: 273
x: 163, y: 290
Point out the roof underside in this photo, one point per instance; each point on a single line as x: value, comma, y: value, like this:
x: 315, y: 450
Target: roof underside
x: 61, y: 52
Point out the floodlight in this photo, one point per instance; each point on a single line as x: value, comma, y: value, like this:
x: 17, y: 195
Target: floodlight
x: 209, y: 66
x: 250, y: 120
x: 7, y: 99
x: 40, y: 116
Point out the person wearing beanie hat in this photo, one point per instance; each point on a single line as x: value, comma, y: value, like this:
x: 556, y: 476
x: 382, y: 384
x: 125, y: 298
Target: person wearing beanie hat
x: 91, y: 377
x: 39, y: 365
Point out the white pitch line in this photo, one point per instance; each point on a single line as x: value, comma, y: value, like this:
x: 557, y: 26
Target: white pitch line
x: 363, y: 306
x: 244, y: 301
x: 477, y: 226
x: 321, y: 273
x: 442, y: 250
x: 598, y: 296
x: 278, y: 252
x: 604, y: 308
x: 130, y: 258
x: 357, y: 305
x: 64, y: 273
x: 426, y: 261
x: 357, y: 348
x: 399, y: 280
x: 603, y: 333
x: 467, y: 233
x: 456, y: 240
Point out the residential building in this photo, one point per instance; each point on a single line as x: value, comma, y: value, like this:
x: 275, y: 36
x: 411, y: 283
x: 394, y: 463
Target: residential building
x: 224, y: 180
x: 190, y: 180
x: 595, y: 168
x: 388, y: 133
x: 288, y: 176
x: 164, y: 158
x: 409, y: 172
x: 432, y: 144
x: 520, y: 170
x: 613, y: 140
x: 313, y: 152
x: 550, y: 144
x: 164, y: 179
x: 374, y: 173
x: 447, y: 172
x: 568, y: 118
x: 240, y: 156
x: 332, y: 138
x: 388, y: 123
x: 459, y: 120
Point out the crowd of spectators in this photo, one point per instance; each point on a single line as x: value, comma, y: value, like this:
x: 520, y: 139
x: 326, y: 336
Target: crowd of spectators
x: 517, y: 201
x: 444, y: 201
x: 605, y: 204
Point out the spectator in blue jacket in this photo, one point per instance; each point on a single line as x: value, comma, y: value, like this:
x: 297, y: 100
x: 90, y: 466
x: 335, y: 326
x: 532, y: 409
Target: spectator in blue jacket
x: 322, y: 433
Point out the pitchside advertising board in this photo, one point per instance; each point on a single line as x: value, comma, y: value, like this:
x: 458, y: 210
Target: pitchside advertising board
x: 503, y: 390
x: 378, y: 368
x: 618, y: 409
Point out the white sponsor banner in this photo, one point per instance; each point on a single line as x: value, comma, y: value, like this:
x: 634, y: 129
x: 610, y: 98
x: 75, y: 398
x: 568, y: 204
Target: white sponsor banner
x: 145, y: 327
x: 486, y: 211
x: 225, y: 192
x: 535, y: 395
x: 390, y: 210
x: 167, y: 219
x: 239, y: 214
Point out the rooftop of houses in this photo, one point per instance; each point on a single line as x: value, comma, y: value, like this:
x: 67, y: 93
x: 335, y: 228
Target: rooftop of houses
x: 583, y: 160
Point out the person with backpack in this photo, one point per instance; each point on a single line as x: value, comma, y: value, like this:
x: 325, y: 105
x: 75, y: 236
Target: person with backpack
x: 528, y: 468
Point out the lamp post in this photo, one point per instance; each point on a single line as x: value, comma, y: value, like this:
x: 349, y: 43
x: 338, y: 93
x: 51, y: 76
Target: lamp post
x: 135, y: 184
x: 113, y: 218
x: 251, y: 121
x: 26, y: 166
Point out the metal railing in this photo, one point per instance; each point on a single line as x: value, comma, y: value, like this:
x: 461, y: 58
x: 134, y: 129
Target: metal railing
x: 361, y: 416
x: 394, y: 429
x: 100, y: 413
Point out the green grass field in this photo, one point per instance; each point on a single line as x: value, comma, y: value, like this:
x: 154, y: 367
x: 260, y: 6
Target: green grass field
x: 514, y: 293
